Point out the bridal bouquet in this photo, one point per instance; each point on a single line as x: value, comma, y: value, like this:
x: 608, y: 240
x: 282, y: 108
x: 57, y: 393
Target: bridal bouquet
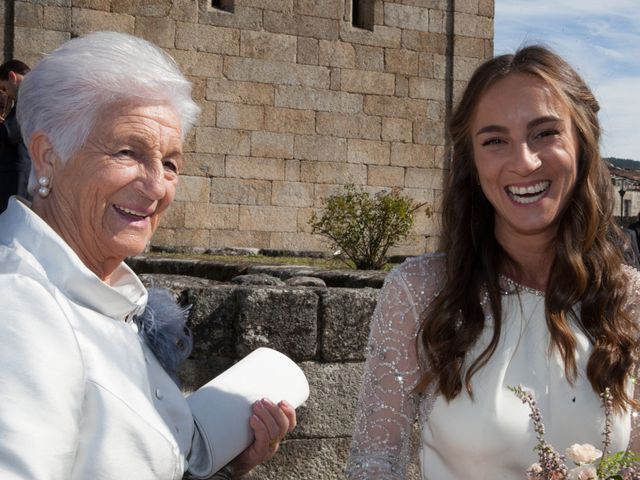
x: 590, y: 463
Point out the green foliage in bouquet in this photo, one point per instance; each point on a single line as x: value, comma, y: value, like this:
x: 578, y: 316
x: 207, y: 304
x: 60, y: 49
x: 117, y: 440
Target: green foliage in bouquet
x: 363, y: 226
x: 611, y: 465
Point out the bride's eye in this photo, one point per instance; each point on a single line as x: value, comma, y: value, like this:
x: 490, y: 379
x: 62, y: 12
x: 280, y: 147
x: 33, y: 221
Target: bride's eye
x: 492, y: 141
x: 550, y: 132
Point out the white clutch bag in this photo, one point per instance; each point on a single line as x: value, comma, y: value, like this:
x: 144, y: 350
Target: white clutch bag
x: 222, y: 407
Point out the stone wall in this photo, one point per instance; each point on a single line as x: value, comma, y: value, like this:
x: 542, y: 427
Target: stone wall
x: 296, y: 101
x: 6, y: 30
x: 323, y: 329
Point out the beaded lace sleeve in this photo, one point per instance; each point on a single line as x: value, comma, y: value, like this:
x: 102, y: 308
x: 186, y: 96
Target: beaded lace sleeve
x: 634, y: 310
x: 387, y: 404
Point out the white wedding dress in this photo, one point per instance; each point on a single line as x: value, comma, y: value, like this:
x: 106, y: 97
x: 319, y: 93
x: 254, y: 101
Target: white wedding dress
x: 490, y: 437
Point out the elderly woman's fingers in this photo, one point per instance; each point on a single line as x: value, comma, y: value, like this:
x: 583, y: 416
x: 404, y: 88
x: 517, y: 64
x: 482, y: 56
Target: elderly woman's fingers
x: 267, y: 423
x: 262, y: 436
x: 276, y: 421
x: 258, y: 452
x: 290, y: 413
x: 270, y: 423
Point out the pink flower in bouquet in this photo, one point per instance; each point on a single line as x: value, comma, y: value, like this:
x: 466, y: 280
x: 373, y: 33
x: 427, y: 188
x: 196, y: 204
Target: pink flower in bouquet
x: 583, y: 472
x: 583, y: 454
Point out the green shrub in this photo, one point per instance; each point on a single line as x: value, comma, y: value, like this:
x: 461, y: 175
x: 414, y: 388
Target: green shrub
x: 363, y: 226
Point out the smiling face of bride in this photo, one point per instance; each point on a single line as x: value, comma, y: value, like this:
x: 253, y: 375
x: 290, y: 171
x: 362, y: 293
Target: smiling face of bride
x: 525, y: 150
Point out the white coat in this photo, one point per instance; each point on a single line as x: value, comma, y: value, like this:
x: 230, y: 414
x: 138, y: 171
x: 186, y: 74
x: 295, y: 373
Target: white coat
x: 81, y: 397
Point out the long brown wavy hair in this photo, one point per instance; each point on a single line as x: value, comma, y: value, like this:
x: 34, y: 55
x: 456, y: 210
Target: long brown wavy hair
x: 587, y: 268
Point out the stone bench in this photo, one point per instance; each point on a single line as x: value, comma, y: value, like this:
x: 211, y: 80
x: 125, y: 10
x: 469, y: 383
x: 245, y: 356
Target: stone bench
x: 324, y: 329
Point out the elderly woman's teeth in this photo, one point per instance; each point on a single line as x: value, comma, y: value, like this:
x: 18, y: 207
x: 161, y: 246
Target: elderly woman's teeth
x: 528, y: 194
x: 130, y: 212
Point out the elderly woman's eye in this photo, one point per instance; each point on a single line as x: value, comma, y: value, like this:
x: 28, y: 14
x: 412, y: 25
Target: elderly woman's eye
x: 171, y: 165
x: 125, y: 153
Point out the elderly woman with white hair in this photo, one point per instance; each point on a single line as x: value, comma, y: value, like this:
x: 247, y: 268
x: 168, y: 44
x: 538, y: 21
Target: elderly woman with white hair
x: 85, y: 390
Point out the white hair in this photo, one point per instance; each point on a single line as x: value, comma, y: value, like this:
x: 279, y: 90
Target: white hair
x: 69, y: 87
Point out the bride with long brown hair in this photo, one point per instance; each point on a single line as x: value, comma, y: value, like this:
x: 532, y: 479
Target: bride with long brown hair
x: 529, y: 288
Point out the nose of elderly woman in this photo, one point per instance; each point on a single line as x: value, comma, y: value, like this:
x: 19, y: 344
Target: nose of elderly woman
x: 153, y: 184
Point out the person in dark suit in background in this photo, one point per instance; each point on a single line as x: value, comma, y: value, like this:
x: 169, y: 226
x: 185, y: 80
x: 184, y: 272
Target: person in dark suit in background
x: 631, y: 250
x: 15, y: 163
x: 633, y: 232
x: 5, y: 105
x: 635, y: 226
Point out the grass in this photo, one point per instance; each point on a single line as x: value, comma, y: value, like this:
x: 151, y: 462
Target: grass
x: 325, y: 263
x: 330, y: 264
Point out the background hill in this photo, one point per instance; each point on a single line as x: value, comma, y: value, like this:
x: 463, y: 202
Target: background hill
x: 624, y: 163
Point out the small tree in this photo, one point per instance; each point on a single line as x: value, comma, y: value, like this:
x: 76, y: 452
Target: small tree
x: 363, y: 226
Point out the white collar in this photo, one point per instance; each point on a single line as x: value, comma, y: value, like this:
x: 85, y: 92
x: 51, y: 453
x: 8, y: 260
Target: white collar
x: 19, y: 225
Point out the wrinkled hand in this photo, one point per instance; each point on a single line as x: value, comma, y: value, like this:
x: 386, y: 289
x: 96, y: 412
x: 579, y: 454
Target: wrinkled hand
x: 270, y: 423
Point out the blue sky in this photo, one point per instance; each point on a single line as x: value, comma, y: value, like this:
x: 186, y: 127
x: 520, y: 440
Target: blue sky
x: 601, y: 39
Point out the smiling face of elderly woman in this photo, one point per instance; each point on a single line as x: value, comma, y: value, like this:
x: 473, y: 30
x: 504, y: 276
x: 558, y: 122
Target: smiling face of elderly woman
x: 107, y: 199
x: 109, y: 149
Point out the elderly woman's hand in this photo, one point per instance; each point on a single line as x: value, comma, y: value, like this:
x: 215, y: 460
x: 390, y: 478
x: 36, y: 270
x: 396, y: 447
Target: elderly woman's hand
x: 270, y: 423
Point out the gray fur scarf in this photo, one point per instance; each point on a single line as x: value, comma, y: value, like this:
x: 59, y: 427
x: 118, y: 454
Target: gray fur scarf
x: 163, y: 327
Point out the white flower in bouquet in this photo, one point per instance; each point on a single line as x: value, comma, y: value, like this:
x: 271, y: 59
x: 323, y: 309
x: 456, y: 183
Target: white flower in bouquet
x: 534, y: 472
x: 583, y: 454
x: 584, y: 472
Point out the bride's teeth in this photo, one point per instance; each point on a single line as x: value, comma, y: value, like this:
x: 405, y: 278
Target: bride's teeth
x: 531, y: 189
x: 533, y: 192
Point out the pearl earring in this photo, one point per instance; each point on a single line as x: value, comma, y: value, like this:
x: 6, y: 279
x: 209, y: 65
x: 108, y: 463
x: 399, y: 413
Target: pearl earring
x: 44, y: 189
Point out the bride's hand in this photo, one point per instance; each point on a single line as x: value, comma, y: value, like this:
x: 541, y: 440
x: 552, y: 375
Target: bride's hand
x: 270, y: 423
